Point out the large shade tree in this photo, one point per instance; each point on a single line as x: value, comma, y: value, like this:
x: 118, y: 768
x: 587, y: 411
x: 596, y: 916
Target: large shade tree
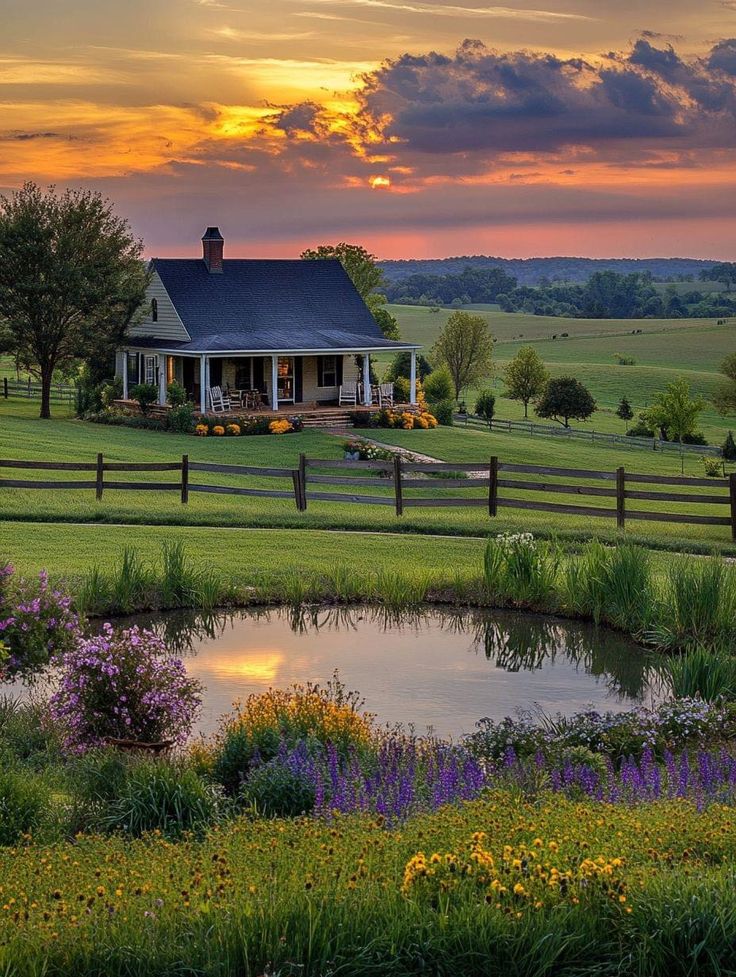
x: 365, y: 274
x: 71, y: 279
x: 465, y: 347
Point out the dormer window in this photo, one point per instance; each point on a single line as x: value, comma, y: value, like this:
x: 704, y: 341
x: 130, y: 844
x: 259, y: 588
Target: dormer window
x: 154, y: 310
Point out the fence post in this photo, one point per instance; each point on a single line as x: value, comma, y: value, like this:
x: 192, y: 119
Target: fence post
x: 620, y: 498
x: 296, y: 482
x: 184, y: 479
x: 732, y: 491
x: 5, y: 387
x: 303, y: 482
x: 493, y: 486
x: 397, y: 486
x: 100, y: 470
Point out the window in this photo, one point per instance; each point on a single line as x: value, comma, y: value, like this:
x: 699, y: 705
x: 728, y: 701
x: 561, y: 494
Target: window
x: 154, y: 310
x: 327, y: 371
x: 150, y: 363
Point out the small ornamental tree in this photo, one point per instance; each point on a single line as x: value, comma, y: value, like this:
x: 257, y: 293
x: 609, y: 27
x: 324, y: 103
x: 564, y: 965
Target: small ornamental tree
x: 525, y: 377
x: 729, y: 447
x: 624, y: 411
x: 37, y: 623
x: 465, y: 347
x: 566, y: 398
x: 725, y: 396
x: 674, y: 410
x: 121, y: 685
x: 485, y: 406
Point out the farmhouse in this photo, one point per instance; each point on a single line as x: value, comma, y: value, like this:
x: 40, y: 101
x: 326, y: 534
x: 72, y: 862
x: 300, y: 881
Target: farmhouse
x: 287, y: 332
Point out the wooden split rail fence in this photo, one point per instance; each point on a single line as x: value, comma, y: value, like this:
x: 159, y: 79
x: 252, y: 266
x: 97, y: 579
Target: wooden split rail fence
x: 504, y: 486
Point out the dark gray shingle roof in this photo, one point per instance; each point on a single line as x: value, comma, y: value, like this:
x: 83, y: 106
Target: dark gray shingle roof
x: 268, y: 305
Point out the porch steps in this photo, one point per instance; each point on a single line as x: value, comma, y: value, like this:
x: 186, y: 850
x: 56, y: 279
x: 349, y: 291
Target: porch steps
x: 326, y: 418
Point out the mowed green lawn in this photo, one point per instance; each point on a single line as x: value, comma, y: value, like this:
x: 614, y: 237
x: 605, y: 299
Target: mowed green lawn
x: 664, y: 350
x: 24, y: 436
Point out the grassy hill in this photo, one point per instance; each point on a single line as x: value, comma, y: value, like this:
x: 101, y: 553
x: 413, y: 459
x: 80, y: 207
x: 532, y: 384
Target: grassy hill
x: 664, y: 350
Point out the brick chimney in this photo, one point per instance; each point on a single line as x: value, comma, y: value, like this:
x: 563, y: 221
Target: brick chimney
x: 213, y: 245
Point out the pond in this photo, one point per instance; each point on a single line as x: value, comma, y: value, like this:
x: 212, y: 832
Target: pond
x: 439, y: 669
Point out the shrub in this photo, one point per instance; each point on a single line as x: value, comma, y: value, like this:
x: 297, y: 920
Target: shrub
x: 120, y: 686
x: 443, y: 411
x: 24, y: 802
x: 110, y: 391
x: 279, y: 789
x: 438, y: 386
x: 160, y: 795
x: 640, y: 430
x: 218, y: 430
x: 26, y: 735
x: 269, y: 721
x: 402, y: 390
x: 202, y: 430
x: 233, y: 430
x: 729, y: 447
x: 712, y: 467
x: 485, y: 406
x: 146, y: 394
x: 176, y: 394
x: 36, y: 623
x: 180, y: 419
x: 279, y: 426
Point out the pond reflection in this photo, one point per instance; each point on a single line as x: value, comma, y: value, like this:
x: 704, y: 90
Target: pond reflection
x: 436, y: 669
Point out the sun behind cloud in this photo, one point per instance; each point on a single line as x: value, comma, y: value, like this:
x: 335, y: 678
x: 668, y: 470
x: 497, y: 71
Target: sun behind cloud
x: 379, y: 182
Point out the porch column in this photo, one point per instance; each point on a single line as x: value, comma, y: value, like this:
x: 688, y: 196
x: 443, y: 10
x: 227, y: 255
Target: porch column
x: 202, y: 385
x: 367, y: 399
x: 125, y: 374
x: 161, y: 379
x: 274, y: 383
x: 413, y: 378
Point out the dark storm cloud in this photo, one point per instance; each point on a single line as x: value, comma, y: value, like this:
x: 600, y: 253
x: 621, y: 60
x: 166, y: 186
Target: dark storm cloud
x: 481, y: 100
x: 723, y: 57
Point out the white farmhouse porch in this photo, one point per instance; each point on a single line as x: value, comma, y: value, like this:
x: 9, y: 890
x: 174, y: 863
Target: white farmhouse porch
x: 283, y: 378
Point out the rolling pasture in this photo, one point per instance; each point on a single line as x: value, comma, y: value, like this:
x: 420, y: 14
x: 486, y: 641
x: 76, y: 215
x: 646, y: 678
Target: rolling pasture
x: 664, y: 350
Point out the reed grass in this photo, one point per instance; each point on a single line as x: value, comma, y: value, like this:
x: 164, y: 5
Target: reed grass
x: 701, y: 673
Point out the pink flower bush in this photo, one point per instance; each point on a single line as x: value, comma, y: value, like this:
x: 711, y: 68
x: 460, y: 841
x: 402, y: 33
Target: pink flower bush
x: 37, y: 623
x: 122, y: 685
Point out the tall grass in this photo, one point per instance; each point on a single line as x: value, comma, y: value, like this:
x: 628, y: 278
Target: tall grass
x: 702, y: 673
x: 697, y: 607
x: 611, y: 585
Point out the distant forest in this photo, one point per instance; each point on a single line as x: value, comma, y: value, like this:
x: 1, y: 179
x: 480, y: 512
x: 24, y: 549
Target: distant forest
x: 601, y: 294
x: 538, y: 271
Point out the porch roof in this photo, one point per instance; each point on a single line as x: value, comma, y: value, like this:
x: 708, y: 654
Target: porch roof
x: 267, y: 345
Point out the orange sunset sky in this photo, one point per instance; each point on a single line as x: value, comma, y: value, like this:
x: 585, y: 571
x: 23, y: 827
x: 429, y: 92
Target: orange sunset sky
x: 416, y: 127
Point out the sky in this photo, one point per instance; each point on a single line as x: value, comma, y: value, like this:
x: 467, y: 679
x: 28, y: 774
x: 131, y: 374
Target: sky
x: 419, y: 128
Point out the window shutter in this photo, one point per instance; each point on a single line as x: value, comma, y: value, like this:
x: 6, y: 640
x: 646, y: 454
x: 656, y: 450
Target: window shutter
x: 258, y: 374
x: 320, y: 371
x: 338, y: 364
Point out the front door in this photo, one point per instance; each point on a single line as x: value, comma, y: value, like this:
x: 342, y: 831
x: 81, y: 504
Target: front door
x: 286, y: 379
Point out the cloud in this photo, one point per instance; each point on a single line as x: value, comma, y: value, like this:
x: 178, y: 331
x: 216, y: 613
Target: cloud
x: 484, y: 102
x: 457, y: 10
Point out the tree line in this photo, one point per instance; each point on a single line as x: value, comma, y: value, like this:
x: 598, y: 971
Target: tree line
x: 605, y: 295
